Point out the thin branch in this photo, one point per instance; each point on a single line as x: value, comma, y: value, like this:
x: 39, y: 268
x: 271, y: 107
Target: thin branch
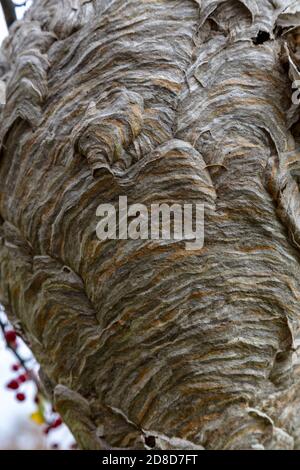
x: 9, y: 12
x: 22, y: 361
x: 23, y: 4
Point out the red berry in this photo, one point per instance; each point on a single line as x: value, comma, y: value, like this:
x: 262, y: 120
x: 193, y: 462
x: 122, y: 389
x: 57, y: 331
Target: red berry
x: 46, y: 430
x: 15, y: 367
x: 13, y: 344
x: 13, y: 385
x: 36, y: 399
x: 10, y: 336
x: 20, y: 397
x: 57, y: 423
x: 22, y: 378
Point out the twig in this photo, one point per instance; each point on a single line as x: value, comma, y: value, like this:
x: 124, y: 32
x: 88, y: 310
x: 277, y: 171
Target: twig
x: 23, y: 4
x: 22, y: 361
x: 9, y: 11
x: 51, y: 423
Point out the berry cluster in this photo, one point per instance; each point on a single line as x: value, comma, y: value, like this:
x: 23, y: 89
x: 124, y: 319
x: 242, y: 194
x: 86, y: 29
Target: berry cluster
x: 22, y: 373
x: 53, y: 425
x: 44, y: 415
x: 17, y: 382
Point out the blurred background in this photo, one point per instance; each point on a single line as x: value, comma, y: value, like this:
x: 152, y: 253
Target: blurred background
x: 22, y: 425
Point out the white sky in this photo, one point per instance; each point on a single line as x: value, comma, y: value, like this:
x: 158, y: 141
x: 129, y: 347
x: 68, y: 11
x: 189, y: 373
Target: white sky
x: 11, y: 410
x: 3, y: 29
x: 20, y: 12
